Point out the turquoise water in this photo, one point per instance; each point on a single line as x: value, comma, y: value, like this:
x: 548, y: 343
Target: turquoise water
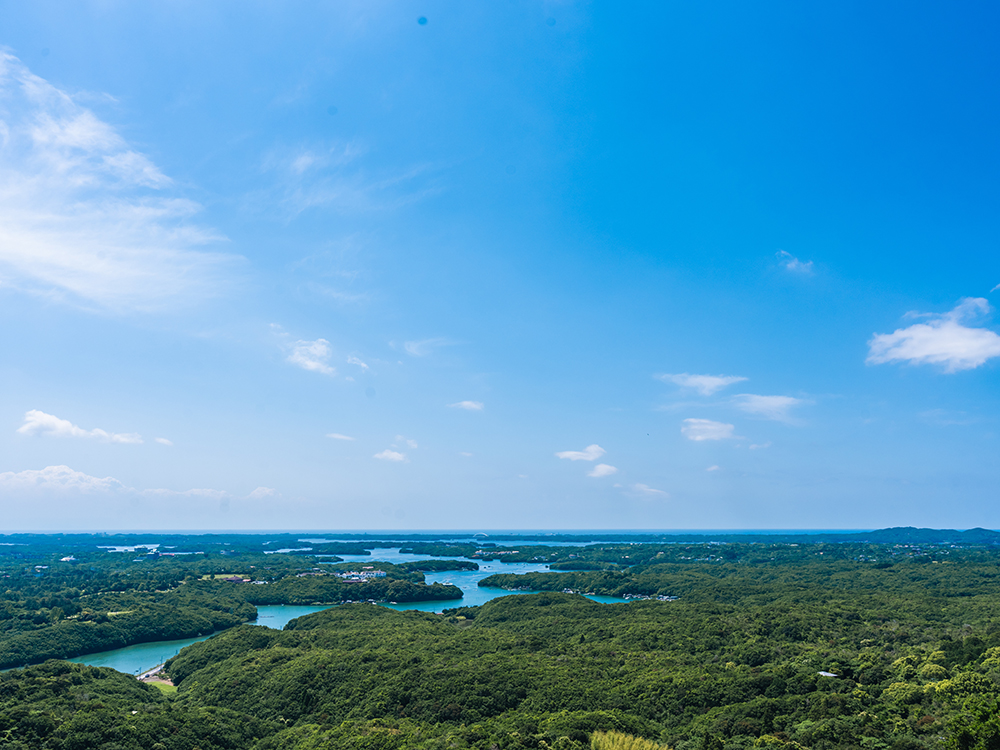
x: 144, y: 656
x: 138, y: 658
x: 278, y: 615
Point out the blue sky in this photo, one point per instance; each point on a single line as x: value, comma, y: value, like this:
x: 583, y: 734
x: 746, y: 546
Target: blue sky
x: 498, y: 265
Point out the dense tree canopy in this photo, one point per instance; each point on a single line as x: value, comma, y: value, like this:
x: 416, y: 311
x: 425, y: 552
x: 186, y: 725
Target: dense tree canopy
x: 778, y: 645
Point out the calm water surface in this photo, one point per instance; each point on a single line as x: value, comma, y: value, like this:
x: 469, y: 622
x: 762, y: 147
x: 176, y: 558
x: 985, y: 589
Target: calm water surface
x: 144, y: 656
x: 138, y: 658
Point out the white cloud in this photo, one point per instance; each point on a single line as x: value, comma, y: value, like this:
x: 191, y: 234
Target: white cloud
x: 312, y: 356
x: 83, y: 217
x: 465, y: 453
x: 943, y: 340
x: 468, y: 405
x: 769, y: 407
x: 714, y: 468
x: 58, y: 498
x: 602, y: 470
x: 338, y: 436
x: 39, y: 423
x: 645, y: 489
x: 388, y: 455
x: 302, y: 162
x: 164, y: 441
x: 793, y: 264
x: 410, y: 443
x: 761, y: 446
x: 590, y: 453
x: 57, y: 478
x: 994, y: 288
x: 424, y: 347
x: 706, y: 385
x: 63, y: 479
x: 706, y: 429
x: 358, y: 362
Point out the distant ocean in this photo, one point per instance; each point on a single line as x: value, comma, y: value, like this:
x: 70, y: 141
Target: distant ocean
x: 480, y: 533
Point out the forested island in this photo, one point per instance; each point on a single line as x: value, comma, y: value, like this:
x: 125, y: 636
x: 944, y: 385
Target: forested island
x: 777, y: 644
x: 61, y: 601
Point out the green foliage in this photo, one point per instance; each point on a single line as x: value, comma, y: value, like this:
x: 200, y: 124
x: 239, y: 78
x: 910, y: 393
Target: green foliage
x: 329, y: 589
x: 743, y: 659
x: 622, y: 741
x: 56, y: 608
x: 63, y: 706
x: 437, y: 566
x: 188, y: 611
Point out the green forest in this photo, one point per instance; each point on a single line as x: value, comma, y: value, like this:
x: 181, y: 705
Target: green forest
x: 829, y: 644
x: 51, y: 607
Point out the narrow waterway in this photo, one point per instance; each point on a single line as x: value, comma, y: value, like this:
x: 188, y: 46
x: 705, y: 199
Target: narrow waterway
x: 143, y: 656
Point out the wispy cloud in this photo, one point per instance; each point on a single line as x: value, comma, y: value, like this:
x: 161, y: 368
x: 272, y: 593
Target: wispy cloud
x: 358, y: 362
x: 163, y: 441
x: 39, y: 423
x: 424, y: 347
x: 706, y: 385
x: 947, y: 418
x: 312, y: 356
x: 602, y: 470
x: 338, y: 436
x: 332, y: 176
x: 706, y: 429
x: 714, y: 468
x: 760, y: 446
x: 468, y: 405
x: 57, y: 498
x: 645, y: 489
x: 389, y: 455
x: 590, y: 453
x: 942, y: 340
x: 63, y: 479
x: 84, y: 217
x: 793, y: 264
x: 994, y: 288
x: 770, y: 407
x: 407, y: 441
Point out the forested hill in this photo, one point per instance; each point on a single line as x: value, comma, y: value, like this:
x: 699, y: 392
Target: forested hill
x: 823, y: 646
x: 810, y: 653
x: 70, y: 605
x: 908, y: 667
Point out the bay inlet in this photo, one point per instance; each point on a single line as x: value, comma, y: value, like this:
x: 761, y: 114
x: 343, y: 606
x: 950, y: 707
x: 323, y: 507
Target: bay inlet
x: 141, y: 657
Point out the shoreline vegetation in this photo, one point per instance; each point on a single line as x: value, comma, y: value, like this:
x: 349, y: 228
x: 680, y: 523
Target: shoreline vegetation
x: 97, y: 602
x: 880, y: 645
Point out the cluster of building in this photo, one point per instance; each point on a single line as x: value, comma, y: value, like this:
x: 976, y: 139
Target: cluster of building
x: 357, y: 576
x: 349, y: 576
